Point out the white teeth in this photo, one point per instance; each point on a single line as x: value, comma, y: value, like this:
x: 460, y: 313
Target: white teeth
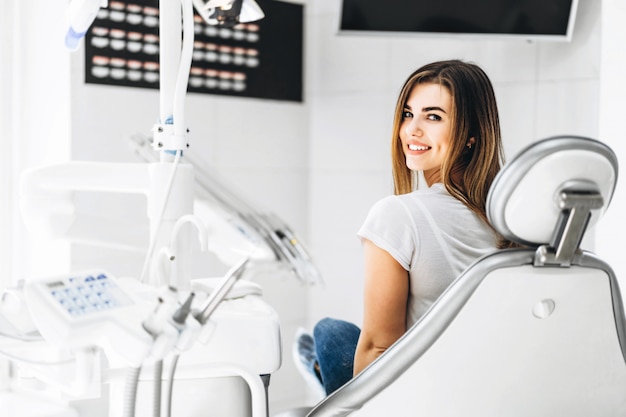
x: 418, y: 148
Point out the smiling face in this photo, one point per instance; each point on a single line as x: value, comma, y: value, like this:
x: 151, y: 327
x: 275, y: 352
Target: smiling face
x: 426, y: 129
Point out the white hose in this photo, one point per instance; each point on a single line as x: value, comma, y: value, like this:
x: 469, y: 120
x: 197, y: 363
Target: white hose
x: 170, y: 387
x: 130, y: 397
x: 158, y: 373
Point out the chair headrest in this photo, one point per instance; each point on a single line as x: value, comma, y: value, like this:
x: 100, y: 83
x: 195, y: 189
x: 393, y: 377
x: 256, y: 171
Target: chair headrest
x: 523, y: 205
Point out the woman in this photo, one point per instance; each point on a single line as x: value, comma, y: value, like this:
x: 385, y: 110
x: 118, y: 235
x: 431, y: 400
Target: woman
x: 416, y: 242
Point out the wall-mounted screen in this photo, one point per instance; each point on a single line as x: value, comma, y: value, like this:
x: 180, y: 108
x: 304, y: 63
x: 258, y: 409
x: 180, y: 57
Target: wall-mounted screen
x: 529, y: 19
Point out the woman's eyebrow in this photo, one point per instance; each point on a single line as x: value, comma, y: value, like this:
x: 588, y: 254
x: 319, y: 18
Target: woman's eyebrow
x: 436, y: 108
x: 427, y: 109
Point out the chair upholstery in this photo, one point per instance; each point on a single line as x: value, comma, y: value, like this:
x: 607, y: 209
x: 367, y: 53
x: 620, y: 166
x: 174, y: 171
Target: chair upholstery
x: 536, y: 331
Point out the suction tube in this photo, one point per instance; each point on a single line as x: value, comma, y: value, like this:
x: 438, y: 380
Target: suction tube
x: 130, y: 397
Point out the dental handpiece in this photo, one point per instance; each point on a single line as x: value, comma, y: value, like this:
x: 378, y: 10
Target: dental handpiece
x: 209, y: 306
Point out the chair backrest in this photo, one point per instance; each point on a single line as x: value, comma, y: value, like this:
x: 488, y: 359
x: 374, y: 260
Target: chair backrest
x: 535, y: 331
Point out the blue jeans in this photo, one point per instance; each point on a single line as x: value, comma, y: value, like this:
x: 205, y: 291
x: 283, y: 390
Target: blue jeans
x: 335, y: 344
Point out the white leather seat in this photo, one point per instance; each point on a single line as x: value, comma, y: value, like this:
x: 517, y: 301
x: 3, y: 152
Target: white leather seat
x: 538, y: 331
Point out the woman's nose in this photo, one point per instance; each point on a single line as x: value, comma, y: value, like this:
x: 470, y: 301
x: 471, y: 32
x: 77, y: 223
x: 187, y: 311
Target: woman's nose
x: 413, y: 128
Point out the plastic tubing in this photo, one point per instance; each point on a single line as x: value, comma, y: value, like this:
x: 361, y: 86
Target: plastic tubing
x: 158, y: 373
x: 170, y: 385
x: 130, y: 397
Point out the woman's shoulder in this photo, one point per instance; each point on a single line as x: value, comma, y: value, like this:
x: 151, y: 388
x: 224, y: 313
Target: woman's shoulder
x: 390, y: 203
x: 431, y: 195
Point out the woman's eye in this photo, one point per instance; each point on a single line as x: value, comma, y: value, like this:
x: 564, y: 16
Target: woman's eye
x: 407, y: 114
x: 434, y: 117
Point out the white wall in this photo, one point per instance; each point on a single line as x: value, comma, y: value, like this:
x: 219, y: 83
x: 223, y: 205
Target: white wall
x: 38, y: 80
x: 610, y: 233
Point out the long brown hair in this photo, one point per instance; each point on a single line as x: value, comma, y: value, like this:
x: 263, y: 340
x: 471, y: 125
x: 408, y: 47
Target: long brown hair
x: 467, y: 173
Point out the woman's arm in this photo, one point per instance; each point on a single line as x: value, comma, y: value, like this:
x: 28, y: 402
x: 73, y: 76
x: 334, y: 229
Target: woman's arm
x: 386, y: 295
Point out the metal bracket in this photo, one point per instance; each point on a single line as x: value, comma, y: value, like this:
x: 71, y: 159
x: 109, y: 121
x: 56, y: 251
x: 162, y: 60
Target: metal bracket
x: 165, y: 138
x: 576, y: 200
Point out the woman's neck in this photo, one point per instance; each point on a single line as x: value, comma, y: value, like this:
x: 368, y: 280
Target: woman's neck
x: 432, y: 176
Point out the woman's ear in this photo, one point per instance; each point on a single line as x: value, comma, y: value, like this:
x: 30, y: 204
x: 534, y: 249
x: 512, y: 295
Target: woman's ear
x: 470, y: 142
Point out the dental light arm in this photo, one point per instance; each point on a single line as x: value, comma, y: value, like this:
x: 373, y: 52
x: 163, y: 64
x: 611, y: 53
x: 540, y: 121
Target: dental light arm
x: 170, y: 135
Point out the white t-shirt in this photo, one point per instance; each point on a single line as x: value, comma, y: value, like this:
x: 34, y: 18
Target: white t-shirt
x: 432, y: 235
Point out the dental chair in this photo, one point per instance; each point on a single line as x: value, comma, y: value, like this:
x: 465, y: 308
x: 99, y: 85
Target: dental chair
x: 534, y: 331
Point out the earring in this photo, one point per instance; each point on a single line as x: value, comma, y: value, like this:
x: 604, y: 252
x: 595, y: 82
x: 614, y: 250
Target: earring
x: 469, y: 145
